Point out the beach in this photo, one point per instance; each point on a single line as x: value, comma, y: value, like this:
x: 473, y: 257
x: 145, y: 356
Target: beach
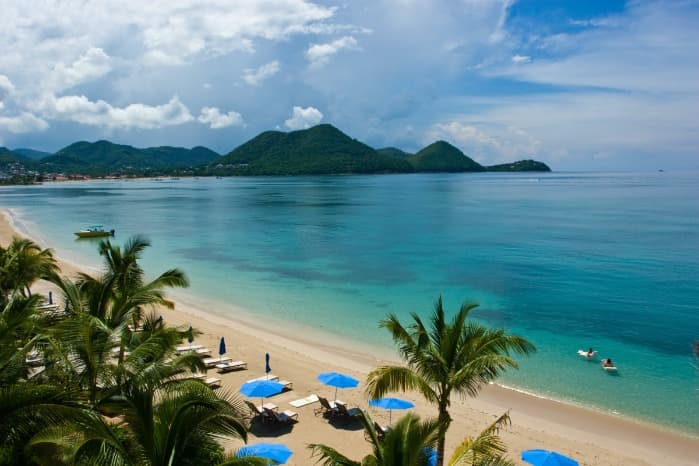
x: 591, y: 437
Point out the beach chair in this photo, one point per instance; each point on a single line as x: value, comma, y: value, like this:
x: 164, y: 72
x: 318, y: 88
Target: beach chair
x: 287, y: 384
x: 285, y: 417
x: 347, y: 413
x: 326, y: 407
x: 380, y: 432
x: 264, y: 377
x: 212, y: 382
x: 211, y: 362
x: 231, y: 366
x: 34, y: 359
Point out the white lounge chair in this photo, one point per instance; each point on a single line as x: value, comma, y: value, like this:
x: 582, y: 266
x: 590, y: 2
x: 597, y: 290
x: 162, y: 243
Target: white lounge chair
x: 211, y: 362
x: 231, y: 366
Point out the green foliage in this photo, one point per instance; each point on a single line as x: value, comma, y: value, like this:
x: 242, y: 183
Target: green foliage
x: 393, y: 152
x: 443, y: 157
x: 320, y: 150
x: 444, y: 357
x: 107, y: 395
x: 32, y: 153
x: 105, y: 158
x: 520, y: 166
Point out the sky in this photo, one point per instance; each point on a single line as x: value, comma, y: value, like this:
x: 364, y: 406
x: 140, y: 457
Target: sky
x: 580, y: 85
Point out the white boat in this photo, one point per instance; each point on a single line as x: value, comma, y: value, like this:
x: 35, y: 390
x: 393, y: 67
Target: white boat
x: 94, y: 231
x: 587, y: 355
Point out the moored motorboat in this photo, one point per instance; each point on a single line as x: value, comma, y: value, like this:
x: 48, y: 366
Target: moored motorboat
x: 94, y: 231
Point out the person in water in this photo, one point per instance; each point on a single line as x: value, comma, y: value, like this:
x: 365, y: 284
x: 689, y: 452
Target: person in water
x: 590, y: 353
x: 607, y: 363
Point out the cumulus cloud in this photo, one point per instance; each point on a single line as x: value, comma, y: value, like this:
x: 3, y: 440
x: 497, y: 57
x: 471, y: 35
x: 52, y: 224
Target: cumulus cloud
x: 93, y: 64
x: 23, y: 123
x: 255, y: 76
x: 100, y: 113
x: 493, y: 143
x: 320, y: 54
x: 303, y: 118
x: 217, y: 120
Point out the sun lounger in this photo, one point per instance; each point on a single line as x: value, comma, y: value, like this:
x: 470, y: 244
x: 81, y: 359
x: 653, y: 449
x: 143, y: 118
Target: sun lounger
x: 326, y: 407
x: 34, y: 359
x: 213, y: 382
x: 182, y: 349
x: 211, y: 362
x: 288, y: 385
x: 264, y: 377
x: 231, y: 366
x: 343, y: 411
x: 304, y: 401
x: 284, y: 417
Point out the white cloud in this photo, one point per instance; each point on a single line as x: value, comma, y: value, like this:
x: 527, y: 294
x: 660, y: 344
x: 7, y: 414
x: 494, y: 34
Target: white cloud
x: 93, y: 64
x: 517, y: 59
x: 650, y: 49
x: 24, y: 123
x: 303, y: 118
x: 487, y: 143
x: 100, y: 113
x: 255, y: 76
x: 217, y: 120
x: 320, y: 54
x: 6, y: 86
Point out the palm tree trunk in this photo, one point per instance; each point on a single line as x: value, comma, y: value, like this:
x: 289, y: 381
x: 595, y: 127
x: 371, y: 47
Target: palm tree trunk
x: 445, y: 420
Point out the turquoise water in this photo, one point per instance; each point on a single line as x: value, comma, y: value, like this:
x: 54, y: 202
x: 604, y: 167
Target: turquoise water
x: 569, y: 260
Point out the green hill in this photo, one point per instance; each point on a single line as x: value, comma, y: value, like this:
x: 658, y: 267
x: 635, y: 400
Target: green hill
x: 441, y: 156
x: 393, y: 152
x: 8, y: 156
x: 104, y: 158
x: 520, y: 166
x: 31, y: 153
x: 322, y: 149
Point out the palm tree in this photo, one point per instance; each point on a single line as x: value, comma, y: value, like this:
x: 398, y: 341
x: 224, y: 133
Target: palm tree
x: 174, y: 425
x: 448, y: 356
x: 486, y: 449
x: 26, y: 406
x: 409, y: 442
x: 22, y: 263
x: 102, y: 308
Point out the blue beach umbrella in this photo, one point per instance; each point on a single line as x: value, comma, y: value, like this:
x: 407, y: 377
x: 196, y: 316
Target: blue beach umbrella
x: 431, y: 455
x: 547, y: 458
x: 337, y: 380
x: 267, y: 368
x: 221, y: 348
x: 261, y: 388
x: 190, y: 337
x: 272, y: 451
x: 390, y: 404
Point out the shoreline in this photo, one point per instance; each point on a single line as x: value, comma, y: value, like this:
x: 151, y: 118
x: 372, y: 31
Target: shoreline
x: 591, y: 436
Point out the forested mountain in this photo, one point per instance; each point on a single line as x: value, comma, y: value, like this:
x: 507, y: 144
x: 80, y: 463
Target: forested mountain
x: 322, y: 149
x: 441, y: 156
x: 104, y: 157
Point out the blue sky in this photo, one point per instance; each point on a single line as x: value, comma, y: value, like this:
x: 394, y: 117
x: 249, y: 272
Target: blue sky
x: 578, y: 84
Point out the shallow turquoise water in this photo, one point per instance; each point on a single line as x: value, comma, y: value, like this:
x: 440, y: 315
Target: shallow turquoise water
x: 569, y: 260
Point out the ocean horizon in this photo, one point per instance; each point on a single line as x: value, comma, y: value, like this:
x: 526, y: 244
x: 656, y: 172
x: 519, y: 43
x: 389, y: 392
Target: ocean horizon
x: 567, y: 260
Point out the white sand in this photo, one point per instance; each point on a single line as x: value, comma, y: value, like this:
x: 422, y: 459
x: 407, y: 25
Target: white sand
x: 591, y: 437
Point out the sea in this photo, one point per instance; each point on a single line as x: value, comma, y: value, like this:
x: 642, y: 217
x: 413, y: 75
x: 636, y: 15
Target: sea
x: 568, y: 260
